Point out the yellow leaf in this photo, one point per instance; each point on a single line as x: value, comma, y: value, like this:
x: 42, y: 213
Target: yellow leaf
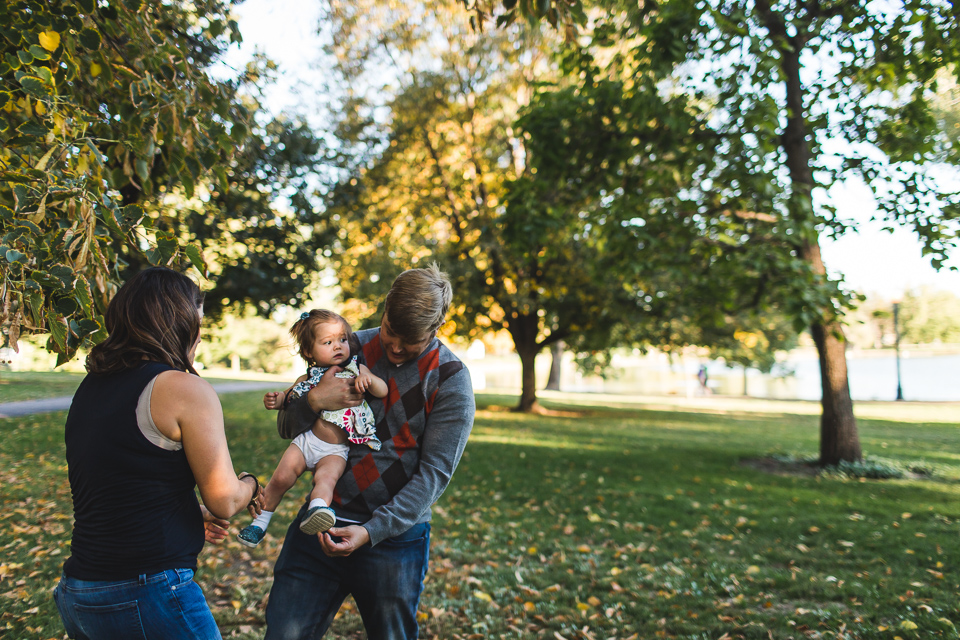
x: 422, y: 616
x: 236, y: 604
x: 594, y: 601
x: 615, y: 571
x: 583, y: 606
x: 753, y: 569
x: 480, y: 595
x: 906, y: 516
x: 593, y: 517
x: 583, y: 549
x: 532, y: 551
x: 95, y: 69
x: 882, y: 628
x: 49, y: 40
x: 529, y: 606
x: 40, y: 108
x: 908, y: 625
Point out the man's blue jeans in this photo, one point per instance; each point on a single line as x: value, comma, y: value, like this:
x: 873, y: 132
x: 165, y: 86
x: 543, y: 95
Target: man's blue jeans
x: 385, y: 580
x: 152, y: 607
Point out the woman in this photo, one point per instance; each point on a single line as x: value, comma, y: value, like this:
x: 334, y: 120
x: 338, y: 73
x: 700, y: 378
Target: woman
x: 143, y: 431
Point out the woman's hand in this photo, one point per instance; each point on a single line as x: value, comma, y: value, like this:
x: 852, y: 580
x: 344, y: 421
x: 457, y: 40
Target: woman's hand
x: 351, y: 538
x: 214, y: 528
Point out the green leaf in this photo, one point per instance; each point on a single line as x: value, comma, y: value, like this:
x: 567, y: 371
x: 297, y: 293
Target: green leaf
x: 34, y: 301
x: 87, y: 6
x: 132, y: 215
x: 58, y: 330
x: 12, y: 60
x: 67, y: 306
x: 35, y: 86
x: 84, y: 297
x: 25, y: 57
x: 110, y: 219
x: 196, y: 257
x: 143, y: 171
x: 15, y: 256
x: 39, y: 52
x: 6, y: 213
x: 89, y: 39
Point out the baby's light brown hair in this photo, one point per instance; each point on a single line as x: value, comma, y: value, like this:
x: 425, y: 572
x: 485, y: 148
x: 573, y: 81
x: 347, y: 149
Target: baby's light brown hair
x: 304, y: 332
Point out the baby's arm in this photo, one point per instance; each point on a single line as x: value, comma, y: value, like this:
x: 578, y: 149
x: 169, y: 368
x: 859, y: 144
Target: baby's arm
x: 274, y: 399
x: 366, y: 381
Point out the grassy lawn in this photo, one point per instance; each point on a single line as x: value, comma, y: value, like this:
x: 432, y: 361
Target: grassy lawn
x: 591, y: 523
x: 32, y: 385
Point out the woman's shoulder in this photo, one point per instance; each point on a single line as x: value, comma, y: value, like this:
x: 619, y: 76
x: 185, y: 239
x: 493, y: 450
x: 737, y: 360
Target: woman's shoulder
x: 184, y: 385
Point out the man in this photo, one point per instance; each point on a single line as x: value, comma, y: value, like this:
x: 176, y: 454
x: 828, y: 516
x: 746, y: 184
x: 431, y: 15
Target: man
x: 378, y: 549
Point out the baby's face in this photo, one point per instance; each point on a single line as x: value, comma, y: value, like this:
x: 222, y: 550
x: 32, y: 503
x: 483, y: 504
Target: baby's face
x: 330, y: 345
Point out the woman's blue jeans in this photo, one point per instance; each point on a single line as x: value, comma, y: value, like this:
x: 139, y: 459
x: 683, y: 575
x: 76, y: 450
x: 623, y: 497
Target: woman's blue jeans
x: 385, y: 580
x: 152, y: 607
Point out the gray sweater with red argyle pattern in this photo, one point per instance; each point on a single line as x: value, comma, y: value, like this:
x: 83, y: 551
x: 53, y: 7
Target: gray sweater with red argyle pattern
x: 423, y: 423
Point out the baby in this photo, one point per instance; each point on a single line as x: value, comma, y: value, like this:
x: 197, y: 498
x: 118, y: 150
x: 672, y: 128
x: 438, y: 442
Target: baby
x: 324, y: 340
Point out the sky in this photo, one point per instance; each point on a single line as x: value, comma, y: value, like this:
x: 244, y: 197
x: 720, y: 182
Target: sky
x: 872, y: 262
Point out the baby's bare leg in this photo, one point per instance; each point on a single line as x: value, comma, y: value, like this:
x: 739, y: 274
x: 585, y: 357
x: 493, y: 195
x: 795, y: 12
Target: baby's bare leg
x: 291, y: 466
x: 325, y: 476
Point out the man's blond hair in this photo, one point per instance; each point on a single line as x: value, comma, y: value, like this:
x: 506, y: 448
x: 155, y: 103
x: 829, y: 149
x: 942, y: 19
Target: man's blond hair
x: 417, y: 302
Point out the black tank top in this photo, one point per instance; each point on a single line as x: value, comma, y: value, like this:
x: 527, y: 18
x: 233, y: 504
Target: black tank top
x: 134, y: 503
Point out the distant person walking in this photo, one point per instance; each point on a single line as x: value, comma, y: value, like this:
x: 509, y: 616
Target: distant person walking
x: 703, y: 378
x: 379, y: 548
x: 143, y: 432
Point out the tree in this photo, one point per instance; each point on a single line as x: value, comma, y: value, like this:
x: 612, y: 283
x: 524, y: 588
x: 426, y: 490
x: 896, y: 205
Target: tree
x: 442, y: 174
x: 800, y: 95
x: 110, y: 125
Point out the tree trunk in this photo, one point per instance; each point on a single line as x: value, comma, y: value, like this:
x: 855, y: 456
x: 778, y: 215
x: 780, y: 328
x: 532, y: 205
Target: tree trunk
x: 528, y: 385
x: 556, y: 352
x: 745, y: 381
x: 838, y: 427
x: 523, y: 330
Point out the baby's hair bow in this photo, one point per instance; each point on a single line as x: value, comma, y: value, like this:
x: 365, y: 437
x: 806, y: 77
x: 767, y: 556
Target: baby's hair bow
x: 304, y: 315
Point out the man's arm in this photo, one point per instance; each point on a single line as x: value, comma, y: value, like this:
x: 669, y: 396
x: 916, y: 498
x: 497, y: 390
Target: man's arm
x: 444, y: 438
x: 330, y: 394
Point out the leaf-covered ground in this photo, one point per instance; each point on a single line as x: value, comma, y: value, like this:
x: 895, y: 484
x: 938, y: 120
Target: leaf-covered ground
x: 590, y: 523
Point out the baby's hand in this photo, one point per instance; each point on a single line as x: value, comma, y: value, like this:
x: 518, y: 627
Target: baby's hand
x: 273, y: 400
x: 362, y: 383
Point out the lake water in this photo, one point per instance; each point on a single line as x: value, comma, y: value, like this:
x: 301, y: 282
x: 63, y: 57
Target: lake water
x: 872, y: 377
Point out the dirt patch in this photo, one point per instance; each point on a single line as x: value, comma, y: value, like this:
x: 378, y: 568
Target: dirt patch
x: 779, y: 467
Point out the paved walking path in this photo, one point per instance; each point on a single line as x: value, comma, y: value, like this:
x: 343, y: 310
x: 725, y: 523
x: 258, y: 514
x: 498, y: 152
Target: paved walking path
x: 62, y: 403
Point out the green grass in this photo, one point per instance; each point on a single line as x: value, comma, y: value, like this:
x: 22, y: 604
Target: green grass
x: 32, y: 385
x: 589, y: 523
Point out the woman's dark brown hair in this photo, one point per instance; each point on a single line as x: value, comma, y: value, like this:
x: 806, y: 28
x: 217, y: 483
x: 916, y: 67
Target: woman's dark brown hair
x: 154, y: 316
x: 304, y: 332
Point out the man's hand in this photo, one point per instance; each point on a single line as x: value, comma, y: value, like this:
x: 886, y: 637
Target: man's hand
x: 214, y: 528
x: 333, y: 393
x: 351, y: 538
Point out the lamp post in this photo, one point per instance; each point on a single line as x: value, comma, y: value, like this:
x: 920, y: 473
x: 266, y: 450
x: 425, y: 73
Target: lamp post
x: 896, y: 343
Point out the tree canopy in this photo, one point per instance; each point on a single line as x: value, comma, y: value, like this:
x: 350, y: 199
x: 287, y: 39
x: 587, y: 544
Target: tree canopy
x: 111, y: 128
x: 786, y: 98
